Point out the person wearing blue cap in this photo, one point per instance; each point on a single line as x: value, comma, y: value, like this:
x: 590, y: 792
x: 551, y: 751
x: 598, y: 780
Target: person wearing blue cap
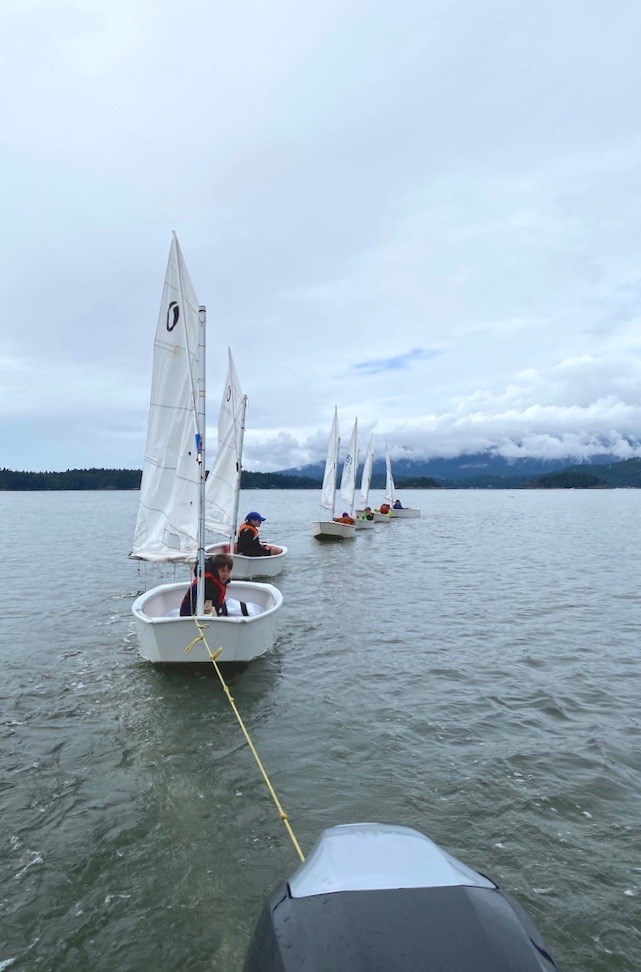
x: 248, y: 540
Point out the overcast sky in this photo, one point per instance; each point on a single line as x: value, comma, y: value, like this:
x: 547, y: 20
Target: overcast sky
x: 427, y: 212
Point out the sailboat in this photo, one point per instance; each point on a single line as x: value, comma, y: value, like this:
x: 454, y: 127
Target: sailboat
x: 170, y: 527
x: 222, y: 491
x: 329, y: 529
x: 407, y: 512
x: 366, y: 476
x: 348, y: 480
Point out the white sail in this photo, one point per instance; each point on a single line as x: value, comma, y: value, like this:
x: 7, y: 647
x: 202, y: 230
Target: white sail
x: 328, y: 492
x: 348, y: 478
x: 167, y: 523
x: 389, y: 479
x: 223, y: 482
x: 367, y: 471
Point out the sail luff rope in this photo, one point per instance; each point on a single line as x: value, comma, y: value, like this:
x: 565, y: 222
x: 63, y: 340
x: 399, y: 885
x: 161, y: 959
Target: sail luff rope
x: 213, y: 655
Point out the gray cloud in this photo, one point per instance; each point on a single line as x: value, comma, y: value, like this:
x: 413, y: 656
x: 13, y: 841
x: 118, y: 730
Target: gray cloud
x: 348, y: 183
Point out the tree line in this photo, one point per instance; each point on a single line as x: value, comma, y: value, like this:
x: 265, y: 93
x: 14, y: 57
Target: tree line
x: 626, y: 473
x: 88, y: 479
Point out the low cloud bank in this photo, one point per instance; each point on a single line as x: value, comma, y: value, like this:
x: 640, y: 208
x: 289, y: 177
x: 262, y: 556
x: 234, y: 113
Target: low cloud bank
x: 557, y: 414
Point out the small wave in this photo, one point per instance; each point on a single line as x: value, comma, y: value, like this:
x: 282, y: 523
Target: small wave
x: 37, y: 859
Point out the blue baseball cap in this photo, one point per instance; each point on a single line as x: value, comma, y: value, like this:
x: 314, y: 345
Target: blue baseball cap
x: 254, y: 516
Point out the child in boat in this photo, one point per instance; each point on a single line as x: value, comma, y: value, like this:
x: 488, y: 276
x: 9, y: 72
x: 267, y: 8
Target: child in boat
x: 217, y: 574
x: 384, y: 508
x: 248, y: 540
x: 367, y: 513
x: 345, y: 518
x: 397, y: 505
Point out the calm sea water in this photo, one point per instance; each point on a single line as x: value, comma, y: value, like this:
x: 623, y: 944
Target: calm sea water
x: 475, y: 674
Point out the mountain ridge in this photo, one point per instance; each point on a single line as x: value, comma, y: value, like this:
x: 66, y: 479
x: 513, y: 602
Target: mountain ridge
x: 461, y: 468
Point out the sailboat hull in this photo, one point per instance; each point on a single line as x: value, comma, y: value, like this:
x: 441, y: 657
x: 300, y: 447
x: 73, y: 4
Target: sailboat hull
x: 406, y: 514
x: 163, y: 636
x: 364, y: 524
x: 378, y: 517
x: 328, y: 530
x: 246, y: 568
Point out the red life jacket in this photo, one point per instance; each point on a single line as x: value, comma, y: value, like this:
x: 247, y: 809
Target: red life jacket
x: 384, y: 507
x: 190, y: 598
x: 221, y: 589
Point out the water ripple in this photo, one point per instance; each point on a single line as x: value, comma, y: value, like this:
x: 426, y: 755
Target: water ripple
x: 474, y: 674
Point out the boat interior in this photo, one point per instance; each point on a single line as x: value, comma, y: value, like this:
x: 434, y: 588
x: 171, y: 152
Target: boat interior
x: 165, y: 602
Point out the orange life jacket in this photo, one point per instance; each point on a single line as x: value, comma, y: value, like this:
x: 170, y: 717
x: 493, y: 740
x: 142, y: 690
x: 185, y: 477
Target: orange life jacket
x: 247, y: 526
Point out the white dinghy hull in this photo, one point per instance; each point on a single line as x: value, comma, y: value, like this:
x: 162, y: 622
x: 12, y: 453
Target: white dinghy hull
x: 328, y: 530
x: 246, y: 568
x: 406, y: 514
x: 378, y: 517
x: 163, y: 637
x: 364, y: 524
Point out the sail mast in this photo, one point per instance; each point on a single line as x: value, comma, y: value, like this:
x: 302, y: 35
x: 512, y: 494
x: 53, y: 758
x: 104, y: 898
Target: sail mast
x: 239, y: 472
x: 355, y: 470
x: 328, y: 489
x: 338, y: 445
x: 350, y: 464
x: 389, y: 479
x: 353, y: 506
x: 200, y: 450
x: 366, y: 475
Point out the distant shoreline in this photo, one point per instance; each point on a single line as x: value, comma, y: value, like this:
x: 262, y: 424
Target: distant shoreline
x: 119, y: 479
x: 84, y: 480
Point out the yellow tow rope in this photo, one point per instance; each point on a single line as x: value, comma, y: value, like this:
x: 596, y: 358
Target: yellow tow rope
x: 213, y: 655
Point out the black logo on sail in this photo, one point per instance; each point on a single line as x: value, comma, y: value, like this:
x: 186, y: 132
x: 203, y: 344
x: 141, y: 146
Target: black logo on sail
x: 173, y: 313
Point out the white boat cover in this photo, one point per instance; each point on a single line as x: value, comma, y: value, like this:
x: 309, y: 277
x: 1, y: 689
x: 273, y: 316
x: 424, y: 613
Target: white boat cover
x: 167, y: 523
x: 348, y: 478
x: 328, y: 491
x: 223, y: 480
x: 389, y: 479
x: 367, y: 471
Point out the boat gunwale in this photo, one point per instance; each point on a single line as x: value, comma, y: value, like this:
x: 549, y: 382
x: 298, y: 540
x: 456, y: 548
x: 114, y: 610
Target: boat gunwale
x: 137, y: 606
